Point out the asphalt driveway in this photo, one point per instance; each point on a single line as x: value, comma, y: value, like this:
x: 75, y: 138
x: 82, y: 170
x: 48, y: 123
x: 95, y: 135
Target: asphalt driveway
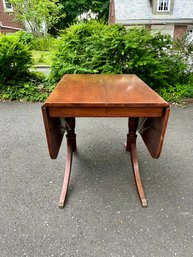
x: 103, y: 215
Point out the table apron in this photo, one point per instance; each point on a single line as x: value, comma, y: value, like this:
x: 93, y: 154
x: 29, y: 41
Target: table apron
x: 105, y: 111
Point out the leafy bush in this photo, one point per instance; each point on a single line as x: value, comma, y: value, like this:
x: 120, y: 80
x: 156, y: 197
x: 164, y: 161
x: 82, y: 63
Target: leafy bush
x: 37, y: 43
x: 24, y: 37
x: 15, y: 58
x: 84, y: 49
x: 44, y: 43
x: 98, y: 48
x: 177, y: 93
x: 29, y: 89
x: 16, y: 81
x: 23, y: 92
x: 184, y: 46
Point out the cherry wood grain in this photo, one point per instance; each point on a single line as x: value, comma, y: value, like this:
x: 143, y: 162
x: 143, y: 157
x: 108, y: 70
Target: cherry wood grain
x: 90, y: 90
x: 71, y: 147
x: 105, y: 111
x: 153, y: 133
x: 54, y: 133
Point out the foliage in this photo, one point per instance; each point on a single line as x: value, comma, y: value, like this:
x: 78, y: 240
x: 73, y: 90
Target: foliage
x: 27, y: 91
x: 39, y: 43
x: 83, y: 48
x: 24, y: 36
x: 42, y: 48
x: 180, y: 91
x: 44, y: 43
x: 40, y: 15
x: 94, y: 47
x: 184, y: 46
x: 15, y: 58
x: 30, y: 88
x: 98, y: 48
x: 16, y: 81
x: 177, y: 93
x: 42, y: 57
x: 101, y: 8
x: 75, y: 8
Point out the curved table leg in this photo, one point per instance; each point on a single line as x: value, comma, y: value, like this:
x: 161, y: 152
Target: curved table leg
x: 131, y: 147
x: 71, y: 147
x: 66, y: 175
x: 134, y: 161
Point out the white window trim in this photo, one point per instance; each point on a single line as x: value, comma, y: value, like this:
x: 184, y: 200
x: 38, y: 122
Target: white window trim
x: 5, y: 7
x: 163, y: 11
x: 189, y: 34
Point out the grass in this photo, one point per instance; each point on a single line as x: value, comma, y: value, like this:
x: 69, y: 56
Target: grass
x: 42, y: 57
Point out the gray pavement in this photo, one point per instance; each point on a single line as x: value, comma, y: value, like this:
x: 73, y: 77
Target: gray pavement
x: 103, y: 215
x: 44, y: 69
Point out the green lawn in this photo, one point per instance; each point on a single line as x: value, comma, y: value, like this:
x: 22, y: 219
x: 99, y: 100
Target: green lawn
x: 42, y: 57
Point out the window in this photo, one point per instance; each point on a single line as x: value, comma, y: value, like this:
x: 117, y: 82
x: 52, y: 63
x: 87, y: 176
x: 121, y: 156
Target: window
x: 163, y: 6
x: 7, y: 5
x: 190, y: 34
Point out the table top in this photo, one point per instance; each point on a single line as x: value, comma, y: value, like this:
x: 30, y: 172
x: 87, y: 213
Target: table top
x: 101, y: 90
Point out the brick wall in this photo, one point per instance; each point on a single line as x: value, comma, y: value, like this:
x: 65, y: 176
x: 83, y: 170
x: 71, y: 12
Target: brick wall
x: 180, y: 31
x: 7, y: 19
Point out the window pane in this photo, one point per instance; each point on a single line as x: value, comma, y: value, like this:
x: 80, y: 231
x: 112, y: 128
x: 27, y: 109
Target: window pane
x: 8, y: 4
x: 163, y: 5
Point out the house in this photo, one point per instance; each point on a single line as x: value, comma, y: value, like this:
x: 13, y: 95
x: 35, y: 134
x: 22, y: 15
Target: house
x: 174, y: 17
x: 7, y: 18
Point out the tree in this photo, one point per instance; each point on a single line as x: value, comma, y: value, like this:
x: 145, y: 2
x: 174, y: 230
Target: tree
x: 38, y: 15
x: 75, y: 8
x: 101, y: 8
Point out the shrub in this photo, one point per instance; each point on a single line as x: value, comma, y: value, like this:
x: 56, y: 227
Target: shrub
x: 89, y: 48
x: 24, y: 37
x: 43, y: 43
x: 178, y: 93
x: 37, y: 43
x: 16, y: 81
x: 23, y: 92
x: 30, y: 89
x: 98, y: 48
x: 15, y: 58
x: 152, y: 58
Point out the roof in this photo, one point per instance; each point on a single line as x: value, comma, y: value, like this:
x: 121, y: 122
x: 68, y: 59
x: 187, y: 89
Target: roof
x: 140, y: 11
x: 7, y: 21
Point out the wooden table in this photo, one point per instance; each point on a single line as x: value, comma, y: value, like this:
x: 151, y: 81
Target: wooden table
x: 89, y: 95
